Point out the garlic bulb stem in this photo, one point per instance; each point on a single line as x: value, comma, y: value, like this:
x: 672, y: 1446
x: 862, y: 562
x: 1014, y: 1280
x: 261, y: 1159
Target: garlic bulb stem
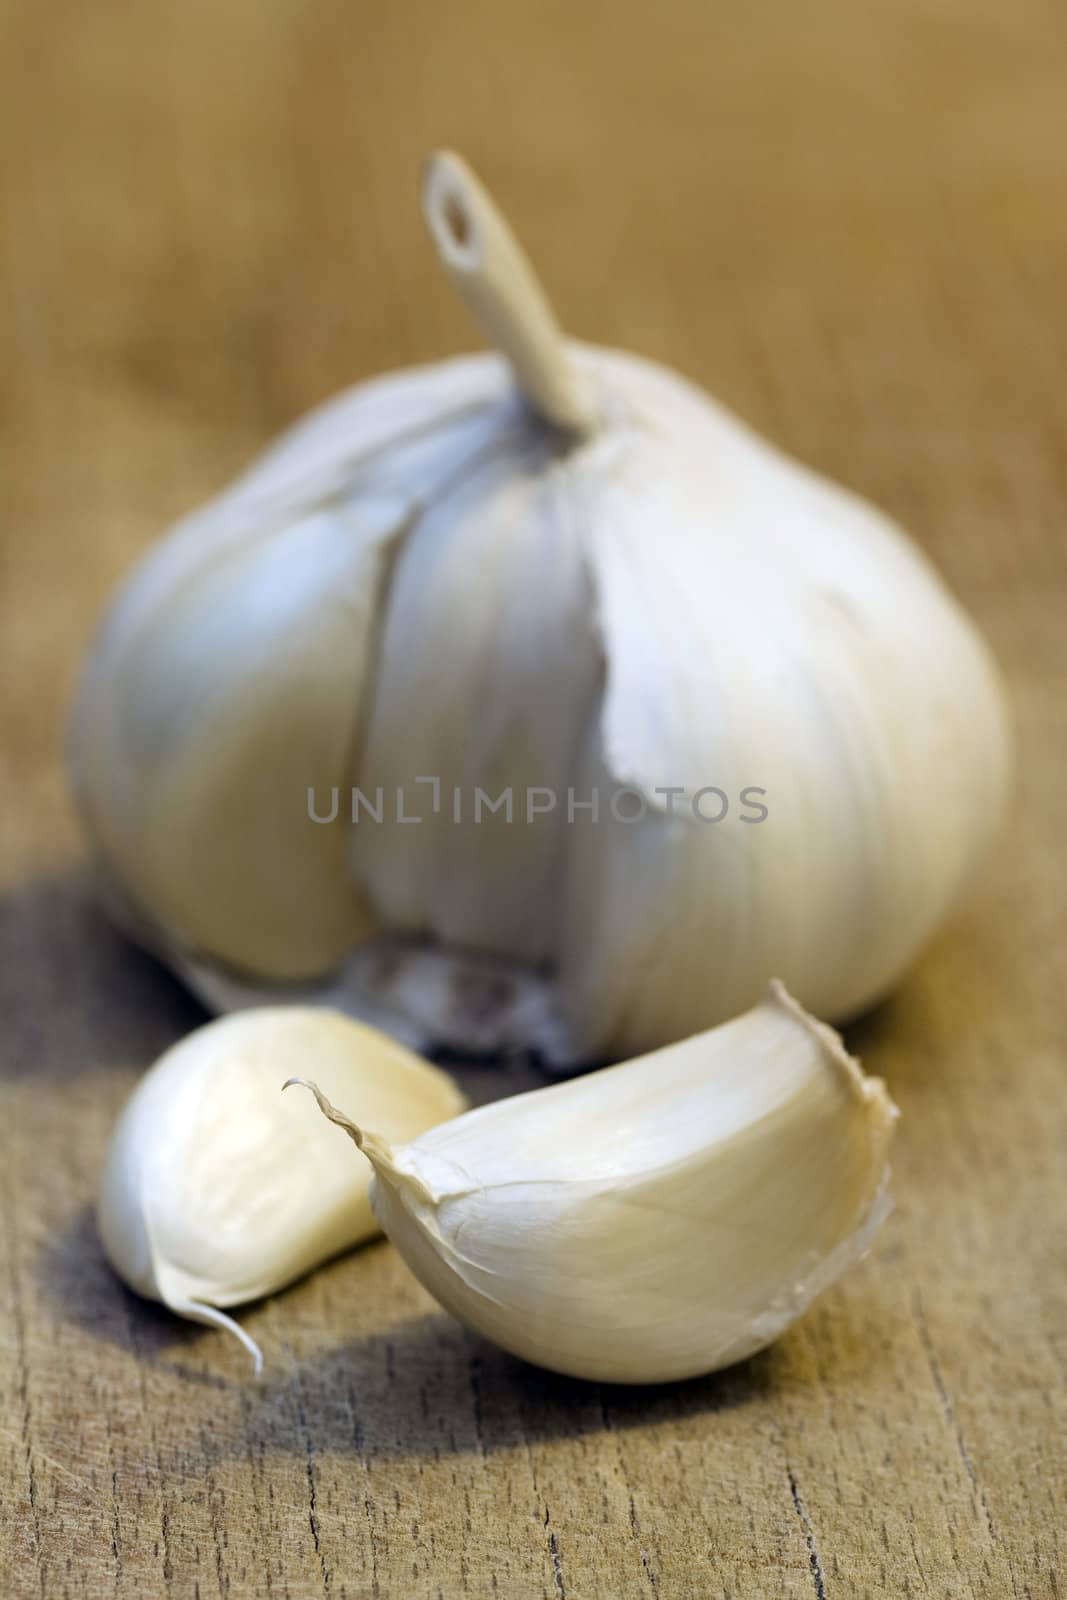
x: 489, y: 269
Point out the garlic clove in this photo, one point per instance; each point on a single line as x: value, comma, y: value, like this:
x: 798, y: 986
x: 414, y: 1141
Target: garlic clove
x: 216, y: 1190
x: 654, y: 1220
x: 496, y: 730
x: 241, y: 694
x: 230, y: 683
x: 845, y: 721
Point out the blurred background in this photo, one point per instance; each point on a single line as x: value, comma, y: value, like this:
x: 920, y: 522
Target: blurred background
x: 845, y: 219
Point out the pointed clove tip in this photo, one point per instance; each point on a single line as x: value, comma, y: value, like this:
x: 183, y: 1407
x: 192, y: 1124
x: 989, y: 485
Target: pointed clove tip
x: 185, y: 1305
x: 327, y: 1108
x: 869, y: 1090
x: 372, y: 1145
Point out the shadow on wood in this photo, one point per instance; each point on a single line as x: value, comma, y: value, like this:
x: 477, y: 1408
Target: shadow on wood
x: 75, y: 993
x: 424, y: 1386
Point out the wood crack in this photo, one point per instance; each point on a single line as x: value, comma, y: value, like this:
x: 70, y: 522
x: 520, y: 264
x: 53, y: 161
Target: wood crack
x: 635, y: 1529
x: 313, y: 1502
x: 23, y: 1386
x: 808, y: 1526
x: 553, y: 1550
x: 635, y: 1526
x: 951, y: 1419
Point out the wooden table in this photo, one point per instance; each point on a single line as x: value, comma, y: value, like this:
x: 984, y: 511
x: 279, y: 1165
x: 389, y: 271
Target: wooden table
x: 849, y: 222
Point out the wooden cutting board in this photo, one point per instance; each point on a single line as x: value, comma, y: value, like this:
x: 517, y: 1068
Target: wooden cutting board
x: 849, y: 222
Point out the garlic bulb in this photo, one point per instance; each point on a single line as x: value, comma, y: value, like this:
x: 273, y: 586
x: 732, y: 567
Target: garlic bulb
x: 536, y: 701
x: 653, y: 1220
x: 215, y: 1190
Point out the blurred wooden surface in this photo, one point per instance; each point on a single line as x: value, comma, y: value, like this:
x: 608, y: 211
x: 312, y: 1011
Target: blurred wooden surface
x: 849, y: 222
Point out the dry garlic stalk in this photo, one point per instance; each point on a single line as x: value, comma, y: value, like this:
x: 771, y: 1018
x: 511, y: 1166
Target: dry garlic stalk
x: 654, y: 1220
x: 559, y: 575
x: 216, y: 1191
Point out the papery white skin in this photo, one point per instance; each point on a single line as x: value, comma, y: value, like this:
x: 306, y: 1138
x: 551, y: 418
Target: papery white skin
x: 216, y: 1190
x: 601, y: 579
x: 651, y: 1221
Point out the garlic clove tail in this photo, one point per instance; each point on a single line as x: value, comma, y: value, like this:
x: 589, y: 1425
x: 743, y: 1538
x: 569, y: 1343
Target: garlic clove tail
x: 199, y: 1311
x: 374, y: 1147
x: 175, y: 1290
x: 377, y: 1150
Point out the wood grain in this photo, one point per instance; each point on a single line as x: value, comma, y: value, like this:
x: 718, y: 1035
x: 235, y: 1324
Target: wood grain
x: 847, y: 221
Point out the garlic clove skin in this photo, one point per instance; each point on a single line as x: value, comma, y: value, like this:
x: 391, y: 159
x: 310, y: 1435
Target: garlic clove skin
x: 655, y: 1220
x: 217, y: 1190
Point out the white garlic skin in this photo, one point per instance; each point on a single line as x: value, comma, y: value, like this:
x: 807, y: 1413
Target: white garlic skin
x: 655, y: 1220
x: 425, y: 579
x: 218, y: 1189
